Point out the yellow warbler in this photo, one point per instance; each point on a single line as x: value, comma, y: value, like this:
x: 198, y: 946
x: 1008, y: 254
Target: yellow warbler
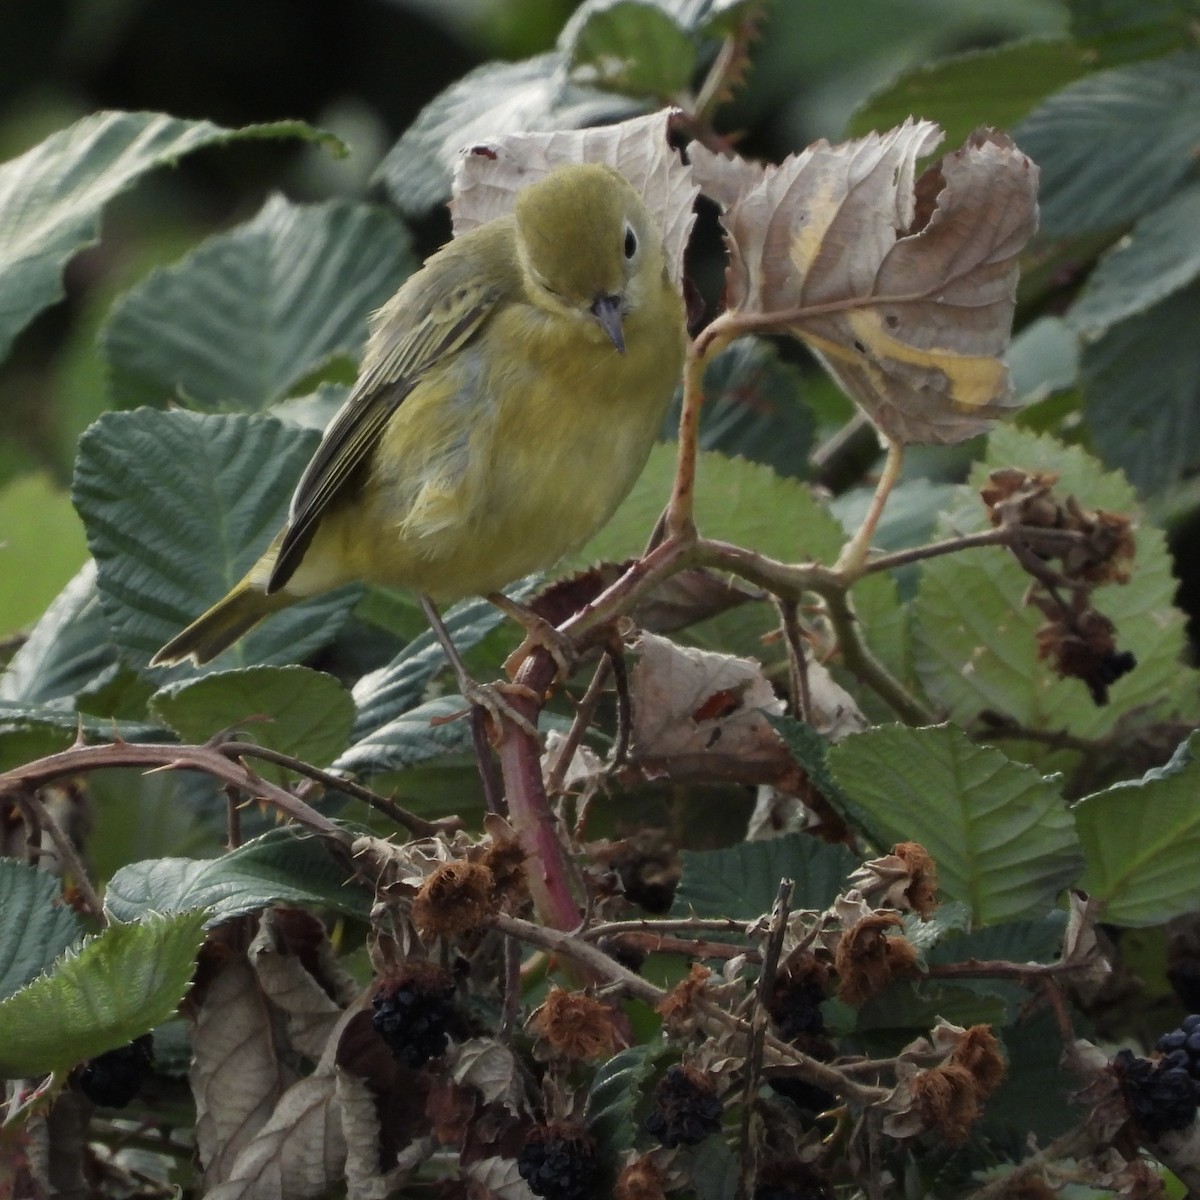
x: 508, y: 398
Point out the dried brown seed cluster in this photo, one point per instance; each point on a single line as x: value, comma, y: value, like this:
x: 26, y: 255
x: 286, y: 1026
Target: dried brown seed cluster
x: 575, y: 1025
x: 921, y: 893
x: 461, y: 896
x: 950, y: 1096
x: 867, y: 960
x: 1077, y: 640
x: 642, y: 1179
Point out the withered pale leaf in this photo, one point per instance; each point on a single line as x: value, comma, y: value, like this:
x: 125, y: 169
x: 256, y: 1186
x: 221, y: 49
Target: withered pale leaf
x: 236, y: 1074
x: 298, y: 1154
x: 689, y: 702
x: 488, y: 176
x: 360, y: 1127
x: 501, y: 1177
x: 490, y: 1067
x: 904, y: 287
x: 309, y: 1011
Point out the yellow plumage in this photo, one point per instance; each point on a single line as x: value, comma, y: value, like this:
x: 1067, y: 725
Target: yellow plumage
x: 508, y: 398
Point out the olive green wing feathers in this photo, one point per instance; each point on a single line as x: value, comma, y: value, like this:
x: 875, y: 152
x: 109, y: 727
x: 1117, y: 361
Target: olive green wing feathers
x: 437, y: 312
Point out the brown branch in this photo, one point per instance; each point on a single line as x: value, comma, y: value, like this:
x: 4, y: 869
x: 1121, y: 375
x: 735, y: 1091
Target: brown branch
x: 158, y: 756
x: 417, y: 826
x: 37, y: 813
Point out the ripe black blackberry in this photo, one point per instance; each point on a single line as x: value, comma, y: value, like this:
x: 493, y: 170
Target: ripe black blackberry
x: 686, y: 1108
x: 414, y: 1013
x: 1160, y: 1096
x: 795, y: 1007
x: 559, y: 1162
x: 113, y: 1079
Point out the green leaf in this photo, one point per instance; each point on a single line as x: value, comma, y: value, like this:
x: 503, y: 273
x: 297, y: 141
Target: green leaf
x: 69, y: 722
x: 754, y: 408
x: 177, y: 507
x: 296, y: 711
x: 410, y: 738
x: 741, y: 881
x: 118, y: 986
x: 1157, y: 258
x: 907, y: 1004
x: 494, y: 99
x: 1141, y: 840
x: 811, y: 751
x: 37, y: 925
x: 628, y: 46
x: 391, y: 691
x: 1035, y: 1093
x: 738, y: 501
x: 51, y: 197
x: 1121, y: 30
x: 42, y: 546
x: 281, y: 867
x: 974, y: 638
x: 1037, y: 941
x: 256, y: 310
x: 983, y: 87
x: 615, y: 1093
x: 66, y: 650
x: 1114, y: 145
x: 1140, y: 385
x: 1000, y: 833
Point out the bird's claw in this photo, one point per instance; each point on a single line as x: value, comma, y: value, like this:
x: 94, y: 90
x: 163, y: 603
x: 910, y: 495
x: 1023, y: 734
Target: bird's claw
x: 541, y: 635
x: 491, y: 698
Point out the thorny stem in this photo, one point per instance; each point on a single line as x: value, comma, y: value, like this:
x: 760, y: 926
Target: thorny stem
x: 212, y: 760
x: 528, y: 806
x: 584, y: 711
x: 854, y: 553
x: 37, y: 813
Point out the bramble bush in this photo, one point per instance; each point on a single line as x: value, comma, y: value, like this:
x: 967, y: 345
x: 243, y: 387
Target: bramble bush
x: 865, y: 836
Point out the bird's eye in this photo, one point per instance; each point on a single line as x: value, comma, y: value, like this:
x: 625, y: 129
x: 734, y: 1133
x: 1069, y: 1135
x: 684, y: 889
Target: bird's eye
x: 630, y: 242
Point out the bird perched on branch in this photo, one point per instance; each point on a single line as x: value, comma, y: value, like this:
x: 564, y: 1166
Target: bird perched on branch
x: 508, y: 398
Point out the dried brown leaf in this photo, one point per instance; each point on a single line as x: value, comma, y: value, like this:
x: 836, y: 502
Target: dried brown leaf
x: 288, y: 982
x: 236, y: 1075
x: 488, y: 177
x: 689, y: 702
x: 298, y: 1154
x: 903, y: 286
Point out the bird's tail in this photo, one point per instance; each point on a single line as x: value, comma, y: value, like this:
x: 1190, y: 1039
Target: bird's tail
x: 222, y: 625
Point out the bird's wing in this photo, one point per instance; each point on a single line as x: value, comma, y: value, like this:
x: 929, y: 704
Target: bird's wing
x: 435, y: 314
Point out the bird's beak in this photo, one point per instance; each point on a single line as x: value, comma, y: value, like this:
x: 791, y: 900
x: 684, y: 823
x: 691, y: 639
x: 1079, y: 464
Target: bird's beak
x: 607, y: 310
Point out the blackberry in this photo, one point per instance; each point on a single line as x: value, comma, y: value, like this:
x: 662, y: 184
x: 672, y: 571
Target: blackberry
x: 796, y: 1009
x: 559, y: 1163
x: 414, y: 1014
x: 114, y: 1078
x: 1160, y: 1096
x: 686, y: 1109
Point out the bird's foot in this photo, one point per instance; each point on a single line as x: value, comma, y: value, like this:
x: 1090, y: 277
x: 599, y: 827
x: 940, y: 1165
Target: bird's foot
x: 493, y: 699
x: 541, y: 635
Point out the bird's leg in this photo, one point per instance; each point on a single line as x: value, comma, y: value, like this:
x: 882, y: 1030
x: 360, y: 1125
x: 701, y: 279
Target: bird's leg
x: 538, y: 633
x: 487, y: 696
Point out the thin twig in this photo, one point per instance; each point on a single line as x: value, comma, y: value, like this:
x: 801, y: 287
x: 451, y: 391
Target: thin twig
x: 854, y: 553
x: 417, y: 826
x: 584, y: 711
x: 758, y: 1032
x: 801, y: 696
x: 28, y: 801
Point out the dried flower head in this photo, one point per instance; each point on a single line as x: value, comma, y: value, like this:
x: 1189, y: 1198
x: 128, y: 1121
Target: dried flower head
x: 921, y: 894
x: 576, y: 1025
x: 948, y: 1101
x: 867, y: 960
x: 642, y: 1179
x: 676, y: 1007
x: 456, y: 898
x: 979, y: 1052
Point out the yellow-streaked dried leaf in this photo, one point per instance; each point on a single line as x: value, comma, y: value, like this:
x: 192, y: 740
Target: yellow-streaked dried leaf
x: 488, y: 176
x: 903, y: 286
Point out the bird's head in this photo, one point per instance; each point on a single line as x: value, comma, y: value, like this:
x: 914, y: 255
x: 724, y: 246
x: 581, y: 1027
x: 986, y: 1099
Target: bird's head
x: 588, y: 246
